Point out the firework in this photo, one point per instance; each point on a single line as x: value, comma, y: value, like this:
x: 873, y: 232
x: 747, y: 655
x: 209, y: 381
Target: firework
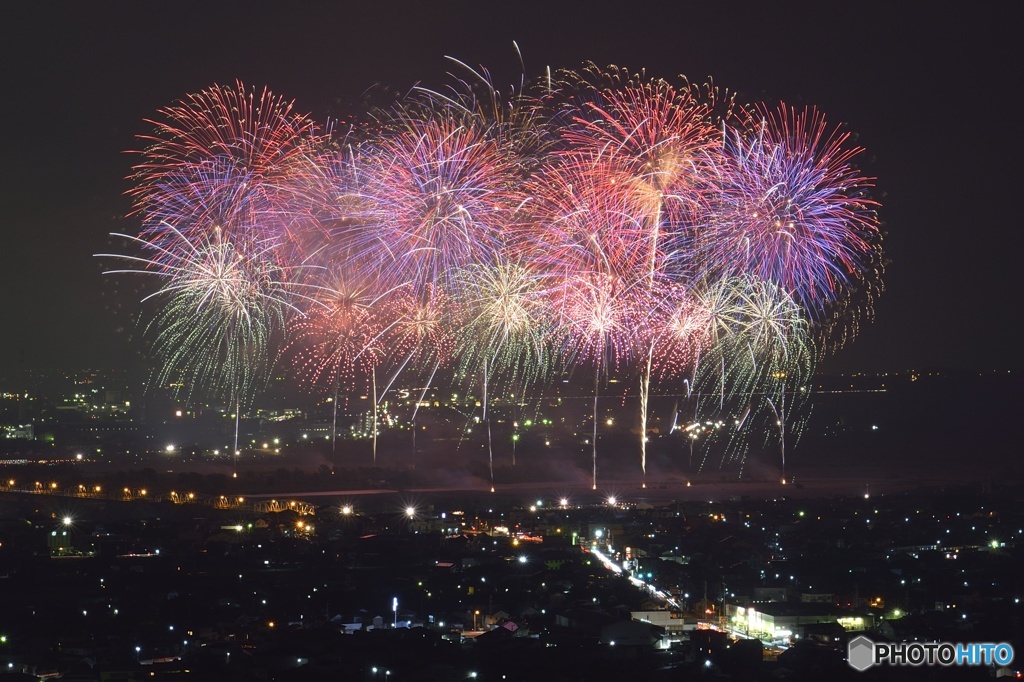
x: 223, y: 305
x: 653, y: 146
x: 583, y: 233
x: 420, y: 327
x: 418, y: 334
x: 759, y: 351
x: 655, y: 142
x: 504, y: 331
x: 337, y: 338
x: 794, y: 210
x: 601, y: 219
x: 678, y: 326
x: 504, y: 321
x: 578, y: 223
x: 225, y: 152
x: 598, y: 318
x: 436, y: 195
x: 511, y: 115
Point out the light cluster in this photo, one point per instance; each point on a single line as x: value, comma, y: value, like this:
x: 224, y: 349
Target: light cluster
x: 598, y: 219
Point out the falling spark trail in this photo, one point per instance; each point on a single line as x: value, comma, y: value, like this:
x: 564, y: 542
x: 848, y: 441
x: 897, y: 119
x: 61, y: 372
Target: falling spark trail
x: 645, y: 390
x: 334, y: 425
x: 597, y: 385
x: 374, y: 373
x: 238, y: 417
x: 487, y: 424
x: 416, y: 409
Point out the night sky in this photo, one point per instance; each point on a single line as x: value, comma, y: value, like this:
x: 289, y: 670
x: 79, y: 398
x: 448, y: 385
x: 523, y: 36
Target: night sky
x: 930, y: 95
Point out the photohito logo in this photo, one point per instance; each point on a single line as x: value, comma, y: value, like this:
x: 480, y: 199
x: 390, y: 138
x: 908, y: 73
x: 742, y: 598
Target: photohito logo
x: 863, y: 653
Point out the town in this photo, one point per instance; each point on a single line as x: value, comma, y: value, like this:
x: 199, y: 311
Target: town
x: 453, y: 586
x: 123, y: 558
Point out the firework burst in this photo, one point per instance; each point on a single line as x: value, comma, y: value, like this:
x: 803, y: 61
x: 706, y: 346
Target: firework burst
x: 794, y: 210
x: 597, y: 322
x: 338, y: 336
x: 656, y: 142
x: 654, y: 146
x: 759, y: 351
x: 504, y: 333
x: 228, y: 152
x: 437, y: 192
x: 504, y: 321
x: 223, y: 302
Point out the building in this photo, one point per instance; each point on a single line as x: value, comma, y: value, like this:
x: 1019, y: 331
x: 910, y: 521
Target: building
x: 779, y: 620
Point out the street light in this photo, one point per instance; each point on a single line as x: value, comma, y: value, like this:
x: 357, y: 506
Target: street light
x: 394, y: 608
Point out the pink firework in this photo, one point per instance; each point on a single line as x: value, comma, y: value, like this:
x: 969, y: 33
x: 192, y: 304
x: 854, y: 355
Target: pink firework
x: 231, y: 157
x: 658, y: 142
x: 678, y: 328
x: 580, y: 223
x: 632, y: 178
x: 419, y: 327
x: 598, y: 316
x: 585, y: 236
x: 599, y: 319
x: 338, y: 337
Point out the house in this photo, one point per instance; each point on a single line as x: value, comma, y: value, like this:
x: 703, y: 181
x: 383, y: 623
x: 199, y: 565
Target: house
x: 632, y: 638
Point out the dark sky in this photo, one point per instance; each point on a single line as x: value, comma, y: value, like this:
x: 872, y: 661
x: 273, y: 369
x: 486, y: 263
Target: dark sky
x: 929, y: 92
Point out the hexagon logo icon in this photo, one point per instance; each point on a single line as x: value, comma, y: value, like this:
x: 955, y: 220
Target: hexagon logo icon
x: 861, y: 653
